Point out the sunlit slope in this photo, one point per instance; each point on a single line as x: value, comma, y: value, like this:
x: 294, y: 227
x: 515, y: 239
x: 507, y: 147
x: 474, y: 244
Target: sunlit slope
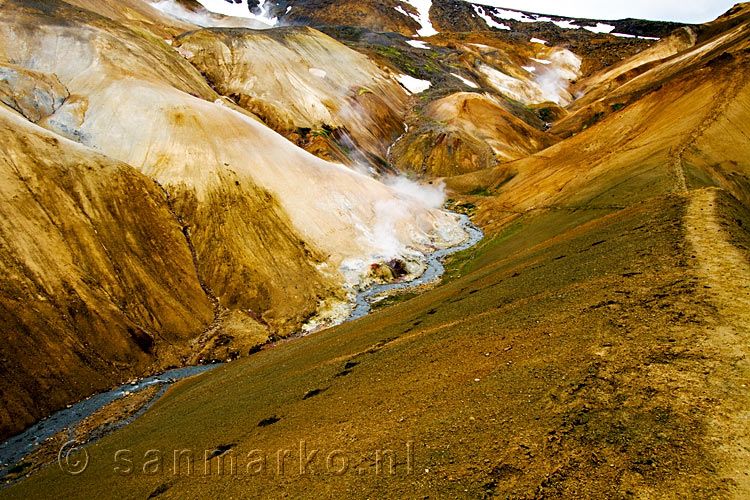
x: 303, y: 84
x: 573, y: 368
x: 684, y: 52
x: 666, y: 141
x: 227, y: 228
x: 272, y: 224
x: 465, y: 132
x: 98, y: 280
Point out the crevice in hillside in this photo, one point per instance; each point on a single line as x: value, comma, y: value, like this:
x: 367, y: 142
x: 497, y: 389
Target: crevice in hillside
x: 219, y: 310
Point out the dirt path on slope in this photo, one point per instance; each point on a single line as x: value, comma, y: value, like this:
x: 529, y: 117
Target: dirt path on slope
x: 722, y: 100
x: 724, y: 270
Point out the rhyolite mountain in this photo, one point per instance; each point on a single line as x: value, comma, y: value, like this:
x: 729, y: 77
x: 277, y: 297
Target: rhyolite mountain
x: 182, y: 186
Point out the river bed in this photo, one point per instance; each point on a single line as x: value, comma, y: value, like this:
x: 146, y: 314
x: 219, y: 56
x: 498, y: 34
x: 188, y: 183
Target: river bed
x: 16, y: 448
x: 434, y: 271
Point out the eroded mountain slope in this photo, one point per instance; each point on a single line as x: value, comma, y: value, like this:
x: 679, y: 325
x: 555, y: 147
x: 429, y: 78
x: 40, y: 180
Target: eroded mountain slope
x: 643, y: 150
x: 304, y: 85
x: 578, y: 367
x: 98, y: 280
x: 174, y: 132
x: 279, y: 236
x: 585, y: 348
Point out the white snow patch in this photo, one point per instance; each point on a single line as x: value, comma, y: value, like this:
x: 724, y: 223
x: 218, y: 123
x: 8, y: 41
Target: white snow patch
x: 541, y: 61
x: 520, y: 90
x: 514, y: 15
x: 401, y: 10
x: 649, y: 38
x: 482, y: 46
x: 530, y: 69
x: 466, y: 81
x: 487, y: 19
x: 419, y: 44
x: 240, y: 10
x: 567, y: 24
x: 539, y: 40
x: 177, y: 11
x: 413, y: 85
x: 600, y: 28
x: 623, y: 35
x: 530, y: 18
x: 423, y: 7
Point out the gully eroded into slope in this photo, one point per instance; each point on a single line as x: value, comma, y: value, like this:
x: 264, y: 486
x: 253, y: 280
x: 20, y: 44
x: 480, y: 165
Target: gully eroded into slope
x: 15, y: 450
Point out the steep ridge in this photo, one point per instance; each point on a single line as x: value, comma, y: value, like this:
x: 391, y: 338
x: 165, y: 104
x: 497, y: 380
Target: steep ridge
x: 98, y: 282
x: 382, y: 15
x: 461, y: 15
x: 464, y: 132
x: 525, y: 84
x: 164, y: 18
x: 673, y: 56
x: 631, y: 151
x: 427, y: 17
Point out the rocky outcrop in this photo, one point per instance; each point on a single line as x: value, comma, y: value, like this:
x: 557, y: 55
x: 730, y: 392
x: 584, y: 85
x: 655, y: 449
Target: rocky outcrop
x: 33, y: 94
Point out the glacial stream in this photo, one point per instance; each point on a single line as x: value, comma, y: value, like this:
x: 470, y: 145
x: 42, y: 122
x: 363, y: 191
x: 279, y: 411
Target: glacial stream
x: 18, y: 447
x: 433, y: 272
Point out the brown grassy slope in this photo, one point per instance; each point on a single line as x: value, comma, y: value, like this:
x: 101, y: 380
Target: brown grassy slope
x: 582, y: 367
x: 98, y: 282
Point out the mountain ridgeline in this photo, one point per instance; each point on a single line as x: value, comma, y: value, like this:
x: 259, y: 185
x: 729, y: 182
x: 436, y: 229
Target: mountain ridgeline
x: 186, y: 187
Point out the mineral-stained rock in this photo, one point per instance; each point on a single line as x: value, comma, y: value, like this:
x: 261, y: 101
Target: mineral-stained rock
x: 33, y: 94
